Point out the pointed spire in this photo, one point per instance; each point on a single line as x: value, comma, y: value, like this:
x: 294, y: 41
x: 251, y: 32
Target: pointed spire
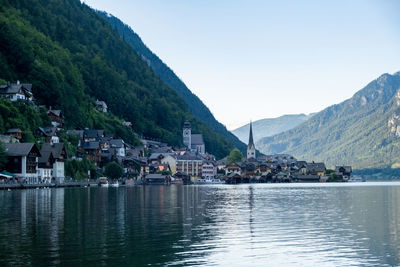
x: 251, y: 143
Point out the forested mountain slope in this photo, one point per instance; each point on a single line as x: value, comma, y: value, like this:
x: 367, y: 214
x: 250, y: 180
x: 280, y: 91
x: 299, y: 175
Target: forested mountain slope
x: 363, y: 131
x: 196, y: 106
x: 72, y: 56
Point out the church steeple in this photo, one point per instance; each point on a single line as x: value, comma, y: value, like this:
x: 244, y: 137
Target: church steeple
x: 251, y: 148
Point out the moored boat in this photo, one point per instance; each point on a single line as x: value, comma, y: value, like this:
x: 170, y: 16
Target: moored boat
x: 103, y: 182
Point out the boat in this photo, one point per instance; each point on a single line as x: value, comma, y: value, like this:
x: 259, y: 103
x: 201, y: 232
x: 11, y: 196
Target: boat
x: 103, y: 182
x: 209, y: 181
x: 176, y: 180
x: 115, y: 184
x: 356, y: 179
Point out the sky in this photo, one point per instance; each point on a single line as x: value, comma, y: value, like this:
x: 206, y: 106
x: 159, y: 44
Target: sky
x: 254, y: 59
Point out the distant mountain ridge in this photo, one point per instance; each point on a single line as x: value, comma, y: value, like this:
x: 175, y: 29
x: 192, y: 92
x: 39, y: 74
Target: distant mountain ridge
x: 270, y: 126
x: 196, y: 106
x: 363, y: 131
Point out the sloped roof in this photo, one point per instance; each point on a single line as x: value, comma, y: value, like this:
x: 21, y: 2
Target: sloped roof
x: 15, y: 88
x: 316, y: 167
x: 45, y: 155
x: 56, y: 112
x: 49, y: 131
x: 117, y: 143
x: 188, y: 156
x: 14, y: 130
x: 55, y: 149
x: 197, y: 139
x: 90, y: 145
x: 20, y: 149
x: 93, y: 133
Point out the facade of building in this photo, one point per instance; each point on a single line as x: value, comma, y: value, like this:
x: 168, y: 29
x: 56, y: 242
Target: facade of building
x: 171, y: 160
x: 51, y: 163
x: 209, y: 170
x: 189, y: 164
x: 23, y: 160
x: 193, y: 142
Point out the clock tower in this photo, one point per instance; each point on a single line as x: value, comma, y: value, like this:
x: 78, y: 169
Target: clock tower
x: 187, y: 135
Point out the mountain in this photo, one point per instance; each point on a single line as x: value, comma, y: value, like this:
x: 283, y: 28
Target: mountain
x: 268, y: 127
x: 72, y: 56
x: 196, y: 106
x: 363, y: 131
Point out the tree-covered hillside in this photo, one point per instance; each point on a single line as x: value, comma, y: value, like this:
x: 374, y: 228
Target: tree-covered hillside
x: 72, y: 56
x: 363, y: 131
x: 196, y: 106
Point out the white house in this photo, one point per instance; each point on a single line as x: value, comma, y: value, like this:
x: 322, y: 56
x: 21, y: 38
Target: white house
x: 16, y: 91
x: 209, y: 170
x: 51, y: 163
x: 119, y: 147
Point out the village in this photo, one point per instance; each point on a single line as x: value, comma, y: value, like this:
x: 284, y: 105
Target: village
x: 152, y: 162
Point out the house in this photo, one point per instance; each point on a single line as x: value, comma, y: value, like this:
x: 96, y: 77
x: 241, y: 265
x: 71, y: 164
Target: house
x: 15, y: 132
x: 16, y: 91
x: 171, y: 160
x: 101, y: 106
x: 189, y: 164
x: 118, y: 145
x: 92, y: 135
x: 343, y: 171
x: 209, y: 170
x: 56, y: 117
x: 49, y: 133
x: 23, y: 160
x: 91, y: 150
x: 51, y: 163
x: 221, y: 163
x: 233, y: 167
x: 318, y: 169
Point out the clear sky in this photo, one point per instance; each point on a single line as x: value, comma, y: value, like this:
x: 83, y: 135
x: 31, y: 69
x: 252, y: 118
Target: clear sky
x: 254, y: 59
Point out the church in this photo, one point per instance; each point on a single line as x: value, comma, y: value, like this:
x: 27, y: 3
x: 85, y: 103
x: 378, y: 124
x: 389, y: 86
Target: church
x: 251, y: 148
x: 193, y: 142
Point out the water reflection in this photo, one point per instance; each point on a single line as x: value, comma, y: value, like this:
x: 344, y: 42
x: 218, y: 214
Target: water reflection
x: 309, y: 225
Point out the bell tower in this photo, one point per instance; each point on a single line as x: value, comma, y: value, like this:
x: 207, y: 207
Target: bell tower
x: 251, y: 148
x: 187, y: 135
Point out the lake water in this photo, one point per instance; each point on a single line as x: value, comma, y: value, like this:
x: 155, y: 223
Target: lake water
x: 224, y: 225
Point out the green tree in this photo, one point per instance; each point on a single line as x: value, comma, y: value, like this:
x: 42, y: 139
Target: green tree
x: 114, y: 170
x: 234, y: 156
x: 3, y: 157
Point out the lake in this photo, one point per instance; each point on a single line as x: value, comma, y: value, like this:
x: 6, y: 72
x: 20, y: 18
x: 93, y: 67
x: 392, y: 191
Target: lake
x: 349, y: 224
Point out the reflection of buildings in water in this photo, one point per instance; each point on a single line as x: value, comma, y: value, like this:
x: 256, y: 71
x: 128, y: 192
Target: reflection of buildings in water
x: 121, y: 211
x: 393, y: 199
x: 23, y: 212
x: 56, y: 198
